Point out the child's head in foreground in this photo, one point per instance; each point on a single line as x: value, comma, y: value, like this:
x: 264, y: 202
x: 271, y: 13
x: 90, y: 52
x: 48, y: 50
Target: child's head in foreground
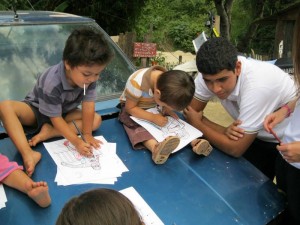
x: 175, y: 89
x: 215, y: 55
x: 99, y: 207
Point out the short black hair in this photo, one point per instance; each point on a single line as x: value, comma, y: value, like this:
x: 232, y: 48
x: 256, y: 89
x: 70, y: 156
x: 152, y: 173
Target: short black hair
x: 215, y: 55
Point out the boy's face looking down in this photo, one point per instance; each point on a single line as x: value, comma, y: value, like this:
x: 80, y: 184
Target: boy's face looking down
x: 159, y: 102
x: 83, y: 75
x: 223, y: 83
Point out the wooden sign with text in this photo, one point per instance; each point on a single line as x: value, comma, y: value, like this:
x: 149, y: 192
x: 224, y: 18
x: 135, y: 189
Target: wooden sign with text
x: 141, y: 49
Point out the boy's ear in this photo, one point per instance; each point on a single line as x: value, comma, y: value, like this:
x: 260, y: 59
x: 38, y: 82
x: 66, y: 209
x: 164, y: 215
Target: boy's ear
x: 238, y: 68
x: 157, y: 92
x: 67, y: 65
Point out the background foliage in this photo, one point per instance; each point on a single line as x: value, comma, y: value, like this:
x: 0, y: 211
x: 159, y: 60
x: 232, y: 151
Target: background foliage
x: 173, y: 24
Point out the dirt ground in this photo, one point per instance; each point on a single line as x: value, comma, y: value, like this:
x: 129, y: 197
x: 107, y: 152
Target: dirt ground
x: 173, y: 57
x: 216, y: 113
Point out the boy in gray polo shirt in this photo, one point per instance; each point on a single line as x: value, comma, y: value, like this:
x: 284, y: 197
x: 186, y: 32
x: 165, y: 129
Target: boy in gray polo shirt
x: 49, y: 109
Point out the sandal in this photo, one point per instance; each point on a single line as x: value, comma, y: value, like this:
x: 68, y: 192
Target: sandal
x: 202, y: 147
x: 164, y: 149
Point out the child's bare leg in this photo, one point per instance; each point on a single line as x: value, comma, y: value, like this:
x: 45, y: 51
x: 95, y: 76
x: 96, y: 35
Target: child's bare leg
x: 47, y: 131
x: 13, y: 115
x: 162, y: 150
x: 37, y: 191
x: 30, y: 159
x: 150, y: 145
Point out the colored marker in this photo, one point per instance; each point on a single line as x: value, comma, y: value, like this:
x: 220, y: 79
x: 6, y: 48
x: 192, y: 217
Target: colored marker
x: 275, y: 135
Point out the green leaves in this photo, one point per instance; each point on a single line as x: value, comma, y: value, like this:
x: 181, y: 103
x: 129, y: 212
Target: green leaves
x: 61, y: 7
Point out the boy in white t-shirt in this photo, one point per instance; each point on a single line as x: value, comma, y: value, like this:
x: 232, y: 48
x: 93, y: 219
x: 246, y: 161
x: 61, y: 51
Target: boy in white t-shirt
x: 249, y: 90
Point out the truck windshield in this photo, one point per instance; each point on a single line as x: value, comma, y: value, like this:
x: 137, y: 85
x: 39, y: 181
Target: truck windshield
x: 27, y: 50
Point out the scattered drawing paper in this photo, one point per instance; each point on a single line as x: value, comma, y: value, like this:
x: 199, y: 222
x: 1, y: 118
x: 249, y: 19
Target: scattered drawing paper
x: 174, y: 127
x: 73, y: 168
x: 3, y: 198
x: 148, y: 215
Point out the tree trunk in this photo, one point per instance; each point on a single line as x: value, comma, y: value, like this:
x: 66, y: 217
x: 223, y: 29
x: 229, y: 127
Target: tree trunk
x: 244, y: 43
x: 224, y: 11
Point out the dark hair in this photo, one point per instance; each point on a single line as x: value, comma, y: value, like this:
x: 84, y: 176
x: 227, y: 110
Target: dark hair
x: 86, y: 46
x: 177, y: 88
x: 99, y: 207
x: 215, y: 55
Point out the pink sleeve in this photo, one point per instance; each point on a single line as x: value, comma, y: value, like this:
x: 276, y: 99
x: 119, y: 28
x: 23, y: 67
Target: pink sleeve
x: 7, y: 167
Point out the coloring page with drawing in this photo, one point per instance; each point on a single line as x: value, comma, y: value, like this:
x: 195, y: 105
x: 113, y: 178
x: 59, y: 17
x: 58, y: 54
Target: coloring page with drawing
x: 75, y: 168
x: 174, y: 127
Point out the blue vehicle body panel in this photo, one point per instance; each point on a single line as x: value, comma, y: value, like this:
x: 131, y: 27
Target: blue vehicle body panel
x: 188, y: 189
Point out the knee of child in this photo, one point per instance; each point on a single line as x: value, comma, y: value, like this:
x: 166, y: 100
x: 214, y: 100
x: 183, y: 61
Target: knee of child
x: 97, y: 121
x: 4, y: 105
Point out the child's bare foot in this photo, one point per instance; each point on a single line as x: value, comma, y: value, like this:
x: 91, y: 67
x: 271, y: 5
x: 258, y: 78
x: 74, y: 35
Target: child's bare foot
x: 47, y: 132
x: 39, y: 192
x: 30, y: 161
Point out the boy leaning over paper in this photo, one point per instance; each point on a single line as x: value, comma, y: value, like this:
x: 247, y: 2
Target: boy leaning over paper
x: 147, y: 88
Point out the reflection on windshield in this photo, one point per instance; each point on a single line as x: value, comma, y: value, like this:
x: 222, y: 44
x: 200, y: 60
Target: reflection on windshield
x: 26, y: 51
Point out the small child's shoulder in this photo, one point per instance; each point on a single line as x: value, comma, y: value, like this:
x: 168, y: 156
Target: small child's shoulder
x: 157, y: 70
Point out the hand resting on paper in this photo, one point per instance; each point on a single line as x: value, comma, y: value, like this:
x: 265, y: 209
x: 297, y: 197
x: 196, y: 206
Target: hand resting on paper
x: 159, y: 120
x: 168, y: 112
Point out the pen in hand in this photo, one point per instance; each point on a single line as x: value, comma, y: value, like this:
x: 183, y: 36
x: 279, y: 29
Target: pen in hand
x: 81, y: 135
x: 275, y: 135
x: 79, y: 132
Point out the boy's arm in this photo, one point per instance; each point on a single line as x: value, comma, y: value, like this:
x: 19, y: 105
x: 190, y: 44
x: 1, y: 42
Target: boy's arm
x: 199, y: 106
x: 278, y: 116
x: 63, y: 128
x: 132, y: 109
x: 215, y: 134
x: 219, y: 139
x: 88, y: 113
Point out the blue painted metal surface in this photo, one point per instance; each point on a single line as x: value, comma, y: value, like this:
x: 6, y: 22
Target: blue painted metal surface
x: 187, y: 190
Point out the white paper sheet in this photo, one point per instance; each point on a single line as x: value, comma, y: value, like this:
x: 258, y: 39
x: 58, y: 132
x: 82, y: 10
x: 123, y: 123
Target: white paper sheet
x: 174, y: 127
x: 72, y: 168
x: 148, y: 215
x: 3, y: 198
